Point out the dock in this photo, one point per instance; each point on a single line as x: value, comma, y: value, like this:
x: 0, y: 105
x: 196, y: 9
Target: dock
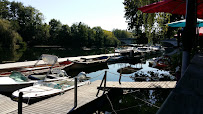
x: 62, y: 104
x: 31, y: 63
x: 7, y: 105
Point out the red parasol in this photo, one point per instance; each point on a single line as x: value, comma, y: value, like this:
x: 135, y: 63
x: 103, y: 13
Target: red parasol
x: 172, y: 6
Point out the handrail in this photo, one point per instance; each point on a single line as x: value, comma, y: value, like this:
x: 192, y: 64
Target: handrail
x: 103, y: 80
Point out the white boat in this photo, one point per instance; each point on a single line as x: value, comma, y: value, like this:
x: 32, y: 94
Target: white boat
x: 42, y: 65
x: 116, y: 58
x: 48, y: 89
x: 17, y: 80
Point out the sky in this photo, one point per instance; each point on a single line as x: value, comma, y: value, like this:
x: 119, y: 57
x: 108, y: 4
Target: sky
x: 108, y: 14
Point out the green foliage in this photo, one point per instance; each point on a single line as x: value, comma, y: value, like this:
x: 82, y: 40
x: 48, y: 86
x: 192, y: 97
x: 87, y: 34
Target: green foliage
x: 152, y: 24
x: 110, y: 39
x: 122, y: 33
x: 27, y: 22
x: 9, y: 38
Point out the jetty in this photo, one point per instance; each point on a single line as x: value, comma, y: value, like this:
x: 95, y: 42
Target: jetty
x: 7, y: 105
x: 31, y: 63
x: 87, y: 101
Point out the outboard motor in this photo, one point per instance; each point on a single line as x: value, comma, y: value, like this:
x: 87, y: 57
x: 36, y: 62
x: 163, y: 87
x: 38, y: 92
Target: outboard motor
x: 82, y: 77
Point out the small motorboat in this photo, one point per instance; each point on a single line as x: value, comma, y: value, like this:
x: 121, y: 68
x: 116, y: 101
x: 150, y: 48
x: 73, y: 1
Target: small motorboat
x: 43, y: 90
x: 116, y: 58
x: 14, y: 82
x: 42, y: 65
x: 89, y: 62
x: 17, y: 80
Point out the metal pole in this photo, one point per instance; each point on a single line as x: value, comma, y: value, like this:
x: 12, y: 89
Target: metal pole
x: 20, y: 99
x: 75, y: 91
x: 75, y: 94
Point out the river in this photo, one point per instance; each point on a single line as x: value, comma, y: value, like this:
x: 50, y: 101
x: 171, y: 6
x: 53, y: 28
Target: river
x: 140, y: 101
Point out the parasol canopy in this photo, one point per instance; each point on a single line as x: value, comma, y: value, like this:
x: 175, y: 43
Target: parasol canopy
x: 181, y: 23
x: 172, y: 6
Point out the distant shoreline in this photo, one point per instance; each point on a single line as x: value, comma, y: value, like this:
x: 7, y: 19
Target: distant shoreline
x: 46, y: 46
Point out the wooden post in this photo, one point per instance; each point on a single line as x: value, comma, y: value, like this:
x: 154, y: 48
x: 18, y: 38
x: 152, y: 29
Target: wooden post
x: 189, y: 33
x: 20, y: 100
x: 120, y: 76
x: 75, y: 93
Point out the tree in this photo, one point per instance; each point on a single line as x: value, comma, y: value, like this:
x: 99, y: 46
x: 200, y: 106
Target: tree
x: 110, y: 39
x: 9, y: 38
x: 153, y: 24
x: 4, y: 9
x: 55, y: 27
x: 99, y: 36
x: 122, y: 33
x: 65, y: 36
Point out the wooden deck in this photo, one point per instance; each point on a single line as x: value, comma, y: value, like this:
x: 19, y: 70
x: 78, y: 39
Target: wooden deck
x: 141, y: 85
x: 62, y: 104
x: 7, y: 105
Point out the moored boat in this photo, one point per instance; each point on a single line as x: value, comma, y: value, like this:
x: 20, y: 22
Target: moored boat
x: 17, y: 80
x: 89, y: 62
x: 47, y: 89
x: 40, y: 66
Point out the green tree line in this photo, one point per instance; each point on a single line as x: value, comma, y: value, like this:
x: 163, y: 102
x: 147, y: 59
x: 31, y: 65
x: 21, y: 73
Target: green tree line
x: 24, y: 25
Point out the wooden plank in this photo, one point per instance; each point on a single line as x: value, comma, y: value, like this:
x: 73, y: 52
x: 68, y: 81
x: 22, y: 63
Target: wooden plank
x: 62, y: 104
x: 7, y: 105
x: 141, y: 85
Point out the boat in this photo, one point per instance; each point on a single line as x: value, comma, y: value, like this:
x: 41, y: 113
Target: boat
x: 43, y: 90
x: 89, y: 62
x: 40, y: 66
x: 116, y: 58
x: 17, y: 80
x: 128, y: 70
x: 160, y: 62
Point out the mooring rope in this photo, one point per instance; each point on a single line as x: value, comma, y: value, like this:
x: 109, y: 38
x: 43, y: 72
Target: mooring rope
x: 111, y: 104
x: 98, y: 75
x: 118, y: 74
x: 129, y: 107
x: 146, y: 102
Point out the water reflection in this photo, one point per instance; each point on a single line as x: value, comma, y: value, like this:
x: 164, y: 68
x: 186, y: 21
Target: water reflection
x: 11, y: 55
x: 145, y: 71
x: 30, y: 54
x: 137, y: 102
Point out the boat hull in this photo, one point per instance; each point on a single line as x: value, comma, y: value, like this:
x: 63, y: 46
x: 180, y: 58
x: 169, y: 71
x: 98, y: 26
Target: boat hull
x: 88, y: 63
x: 13, y: 87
